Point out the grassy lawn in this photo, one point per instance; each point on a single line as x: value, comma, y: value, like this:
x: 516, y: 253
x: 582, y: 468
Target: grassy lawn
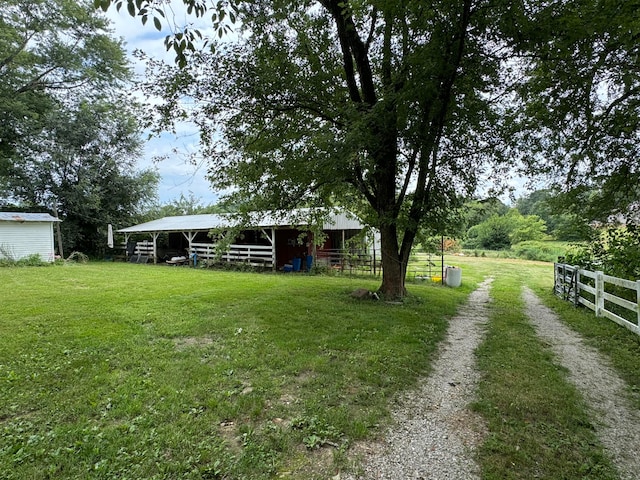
x: 131, y: 371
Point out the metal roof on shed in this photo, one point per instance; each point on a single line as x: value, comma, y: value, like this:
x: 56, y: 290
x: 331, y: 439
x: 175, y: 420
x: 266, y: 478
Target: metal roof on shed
x: 205, y: 222
x: 26, y: 217
x: 184, y: 223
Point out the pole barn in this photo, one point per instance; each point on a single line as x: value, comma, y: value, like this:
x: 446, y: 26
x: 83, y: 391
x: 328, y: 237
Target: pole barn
x: 26, y: 234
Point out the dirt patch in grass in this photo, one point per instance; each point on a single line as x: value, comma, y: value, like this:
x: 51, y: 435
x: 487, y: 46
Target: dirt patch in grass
x: 186, y: 343
x: 316, y: 463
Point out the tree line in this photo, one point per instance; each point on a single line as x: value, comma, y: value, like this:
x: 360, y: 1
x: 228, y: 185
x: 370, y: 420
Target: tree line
x: 493, y: 225
x: 70, y: 138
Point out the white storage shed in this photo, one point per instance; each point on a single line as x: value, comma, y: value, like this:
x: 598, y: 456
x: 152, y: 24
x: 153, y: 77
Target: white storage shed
x: 25, y: 234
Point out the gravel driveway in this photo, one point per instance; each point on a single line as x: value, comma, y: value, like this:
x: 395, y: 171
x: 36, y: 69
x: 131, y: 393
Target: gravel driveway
x: 434, y: 433
x: 617, y: 423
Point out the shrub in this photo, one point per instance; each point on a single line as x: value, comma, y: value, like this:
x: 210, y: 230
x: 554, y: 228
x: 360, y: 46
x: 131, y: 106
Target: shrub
x: 614, y: 250
x: 33, y: 260
x: 499, y: 232
x: 535, y: 250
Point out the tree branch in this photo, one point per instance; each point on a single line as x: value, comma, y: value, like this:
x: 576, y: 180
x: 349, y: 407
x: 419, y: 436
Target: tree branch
x: 20, y: 48
x: 353, y: 49
x: 434, y: 127
x: 347, y: 58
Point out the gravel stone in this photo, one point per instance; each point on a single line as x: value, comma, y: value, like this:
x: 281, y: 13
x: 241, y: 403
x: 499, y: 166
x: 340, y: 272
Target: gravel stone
x: 617, y: 423
x: 434, y: 433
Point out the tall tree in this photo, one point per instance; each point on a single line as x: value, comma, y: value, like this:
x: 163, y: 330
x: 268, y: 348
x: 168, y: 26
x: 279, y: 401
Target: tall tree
x: 84, y: 162
x: 64, y: 140
x: 50, y: 51
x: 580, y: 107
x: 396, y: 105
x: 386, y: 106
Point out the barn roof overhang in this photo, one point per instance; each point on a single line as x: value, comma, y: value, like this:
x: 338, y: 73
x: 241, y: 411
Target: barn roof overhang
x: 207, y: 222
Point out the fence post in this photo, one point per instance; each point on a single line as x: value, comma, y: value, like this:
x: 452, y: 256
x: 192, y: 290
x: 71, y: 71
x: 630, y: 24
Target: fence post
x: 638, y: 300
x: 599, y: 293
x: 576, y: 288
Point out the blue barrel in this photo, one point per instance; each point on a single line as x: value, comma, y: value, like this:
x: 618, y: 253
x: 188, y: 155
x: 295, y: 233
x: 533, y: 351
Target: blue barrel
x: 309, y: 262
x: 297, y: 263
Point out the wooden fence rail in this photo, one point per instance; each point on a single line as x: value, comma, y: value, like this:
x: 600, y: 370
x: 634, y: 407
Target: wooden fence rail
x: 594, y: 291
x: 255, y: 255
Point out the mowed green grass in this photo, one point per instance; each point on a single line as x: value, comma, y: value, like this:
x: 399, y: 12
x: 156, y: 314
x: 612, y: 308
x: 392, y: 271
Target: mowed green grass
x: 538, y: 422
x: 130, y: 371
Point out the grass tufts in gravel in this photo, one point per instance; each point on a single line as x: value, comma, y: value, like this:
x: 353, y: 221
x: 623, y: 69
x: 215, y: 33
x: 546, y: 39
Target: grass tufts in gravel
x: 128, y: 371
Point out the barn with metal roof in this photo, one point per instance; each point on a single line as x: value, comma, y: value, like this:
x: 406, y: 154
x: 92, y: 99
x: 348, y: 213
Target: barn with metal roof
x: 269, y: 239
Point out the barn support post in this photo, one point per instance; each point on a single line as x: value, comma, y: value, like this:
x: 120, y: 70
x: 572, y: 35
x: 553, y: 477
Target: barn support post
x: 271, y: 237
x: 190, y: 236
x: 127, y: 236
x: 155, y: 246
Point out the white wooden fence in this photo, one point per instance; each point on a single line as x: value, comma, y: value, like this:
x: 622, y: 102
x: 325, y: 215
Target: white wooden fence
x: 144, y: 247
x: 583, y: 287
x: 255, y: 255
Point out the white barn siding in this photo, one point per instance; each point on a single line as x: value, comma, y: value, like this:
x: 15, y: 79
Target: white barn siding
x: 21, y: 239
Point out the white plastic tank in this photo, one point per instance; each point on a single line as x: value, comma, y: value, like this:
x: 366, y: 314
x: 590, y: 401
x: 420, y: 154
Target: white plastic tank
x: 453, y: 276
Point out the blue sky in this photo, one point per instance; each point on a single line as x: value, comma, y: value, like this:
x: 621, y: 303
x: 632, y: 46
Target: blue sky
x: 178, y: 177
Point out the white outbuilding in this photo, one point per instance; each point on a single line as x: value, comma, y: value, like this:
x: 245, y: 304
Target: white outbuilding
x: 26, y: 234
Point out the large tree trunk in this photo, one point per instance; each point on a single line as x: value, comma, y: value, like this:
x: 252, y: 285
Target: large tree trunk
x: 394, y: 268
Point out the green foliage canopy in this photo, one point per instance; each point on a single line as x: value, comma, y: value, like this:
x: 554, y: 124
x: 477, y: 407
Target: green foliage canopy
x: 395, y: 108
x: 499, y: 232
x: 50, y: 51
x: 83, y: 161
x: 614, y: 250
x: 563, y: 220
x: 580, y: 109
x: 65, y: 139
